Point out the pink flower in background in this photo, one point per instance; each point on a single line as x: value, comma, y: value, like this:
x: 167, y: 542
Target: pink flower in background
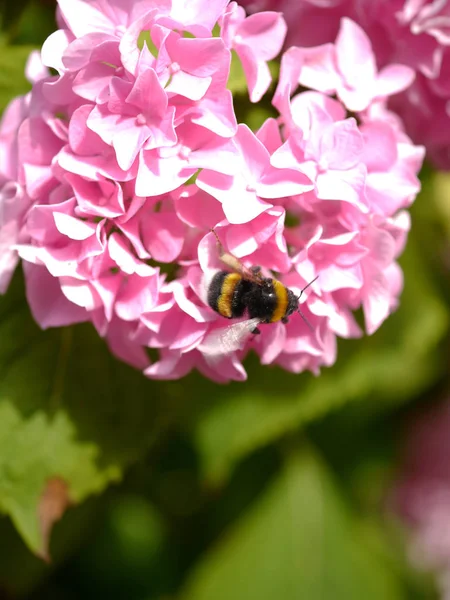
x: 115, y: 170
x: 413, y: 33
x: 421, y: 494
x: 348, y: 69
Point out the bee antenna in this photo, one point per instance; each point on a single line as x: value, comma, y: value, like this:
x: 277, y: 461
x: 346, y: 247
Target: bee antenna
x: 307, y: 286
x: 298, y: 298
x: 305, y: 319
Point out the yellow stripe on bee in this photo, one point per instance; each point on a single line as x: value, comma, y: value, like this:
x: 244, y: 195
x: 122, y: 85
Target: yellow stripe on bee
x: 226, y: 295
x: 282, y: 301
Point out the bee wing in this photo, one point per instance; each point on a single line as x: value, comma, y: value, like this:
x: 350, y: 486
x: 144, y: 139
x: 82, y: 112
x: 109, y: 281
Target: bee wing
x: 228, y: 339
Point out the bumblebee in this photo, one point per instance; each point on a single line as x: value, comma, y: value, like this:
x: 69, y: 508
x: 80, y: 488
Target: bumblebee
x: 262, y: 298
x: 247, y: 292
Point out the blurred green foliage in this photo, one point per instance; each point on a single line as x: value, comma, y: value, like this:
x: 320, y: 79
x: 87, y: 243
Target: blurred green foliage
x: 273, y: 488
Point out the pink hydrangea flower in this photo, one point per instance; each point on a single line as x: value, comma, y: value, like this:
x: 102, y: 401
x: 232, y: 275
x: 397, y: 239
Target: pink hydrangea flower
x: 115, y: 170
x: 421, y: 494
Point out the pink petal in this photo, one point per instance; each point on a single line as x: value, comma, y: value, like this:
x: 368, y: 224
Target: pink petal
x: 53, y: 49
x: 393, y: 79
x: 229, y: 369
x: 357, y: 99
x: 256, y: 72
x: 333, y: 278
x: 9, y: 257
x: 280, y: 183
x: 172, y: 365
x: 380, y: 146
x: 217, y: 154
x: 196, y: 208
x: 39, y: 180
x: 341, y: 145
x: 272, y: 343
x: 381, y: 246
x: 319, y: 70
x: 137, y: 296
x: 129, y: 47
x: 312, y: 112
x: 107, y: 287
x: 80, y: 293
x: 163, y: 236
x: 240, y: 205
x: 216, y: 114
x: 158, y: 175
x: 389, y: 192
x: 121, y: 344
x: 197, y: 311
x: 85, y: 17
x: 254, y: 153
x: 198, y: 15
x: 375, y: 301
x: 264, y: 32
x: 344, y: 185
x: 187, y: 85
x: 82, y: 139
x: 148, y: 95
x: 290, y: 69
x: 188, y: 335
x: 269, y: 135
x: 128, y: 141
x: 92, y: 46
x: 202, y: 57
x: 34, y: 68
x: 102, y: 198
x: 75, y: 229
x: 90, y: 82
x: 93, y: 167
x: 121, y: 253
x: 354, y: 54
x: 49, y: 307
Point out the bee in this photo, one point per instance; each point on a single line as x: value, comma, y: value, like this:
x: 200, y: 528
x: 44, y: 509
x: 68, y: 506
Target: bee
x: 245, y: 291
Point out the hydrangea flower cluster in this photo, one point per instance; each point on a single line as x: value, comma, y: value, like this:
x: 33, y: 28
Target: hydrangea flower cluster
x: 421, y: 495
x: 115, y: 168
x: 415, y: 33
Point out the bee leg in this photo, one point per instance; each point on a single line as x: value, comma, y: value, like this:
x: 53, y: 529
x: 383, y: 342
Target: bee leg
x: 256, y: 331
x: 229, y: 259
x: 255, y: 270
x: 285, y: 320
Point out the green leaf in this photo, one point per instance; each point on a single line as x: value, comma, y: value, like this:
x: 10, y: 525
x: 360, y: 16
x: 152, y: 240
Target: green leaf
x: 28, y: 21
x: 237, y: 82
x: 21, y: 571
x: 12, y: 72
x: 68, y: 411
x: 34, y: 449
x: 393, y: 364
x: 10, y: 13
x: 297, y: 542
x: 441, y: 197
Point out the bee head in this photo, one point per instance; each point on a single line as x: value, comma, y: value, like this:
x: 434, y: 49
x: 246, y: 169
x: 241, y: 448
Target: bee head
x: 292, y: 302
